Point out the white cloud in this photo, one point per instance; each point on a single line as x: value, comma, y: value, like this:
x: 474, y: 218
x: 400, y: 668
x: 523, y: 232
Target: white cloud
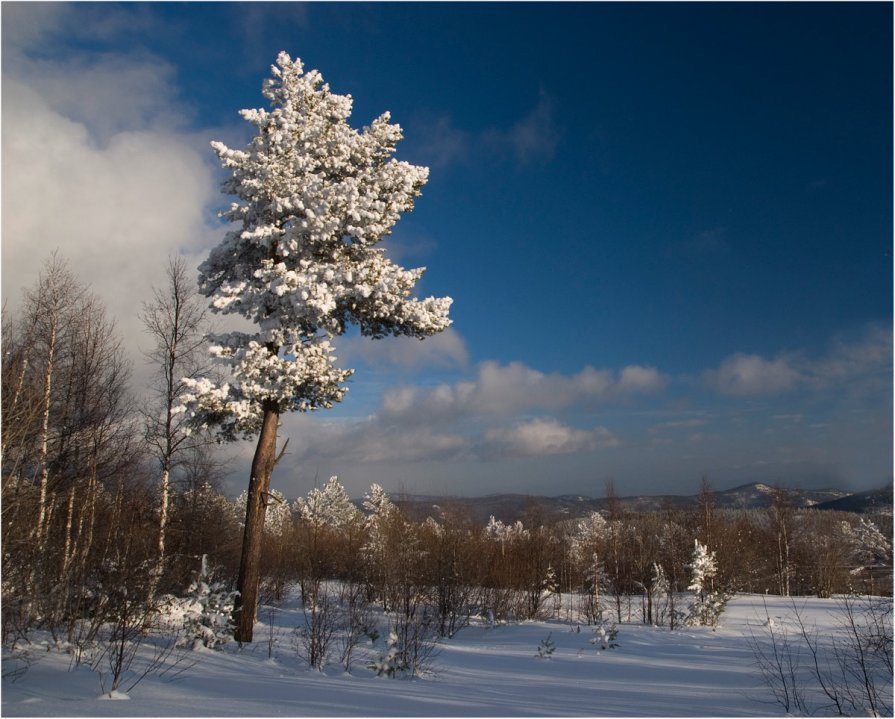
x: 368, y: 440
x: 743, y: 375
x: 374, y: 440
x: 506, y: 390
x: 115, y: 212
x: 636, y: 379
x: 445, y: 349
x: 542, y: 437
x: 26, y: 24
x: 97, y: 165
x: 870, y: 354
x: 865, y: 362
x: 106, y: 94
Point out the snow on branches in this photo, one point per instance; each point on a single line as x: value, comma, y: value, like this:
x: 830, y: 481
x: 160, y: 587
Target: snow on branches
x: 329, y: 507
x: 707, y: 603
x: 314, y: 197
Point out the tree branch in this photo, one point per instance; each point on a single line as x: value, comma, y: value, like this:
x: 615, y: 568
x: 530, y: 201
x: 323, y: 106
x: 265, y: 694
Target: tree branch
x: 282, y: 452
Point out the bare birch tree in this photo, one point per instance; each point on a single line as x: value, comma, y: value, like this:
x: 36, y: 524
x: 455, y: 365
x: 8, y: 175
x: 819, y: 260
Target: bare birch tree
x: 175, y: 321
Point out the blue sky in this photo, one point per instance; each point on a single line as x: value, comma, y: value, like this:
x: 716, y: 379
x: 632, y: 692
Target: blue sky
x: 667, y: 228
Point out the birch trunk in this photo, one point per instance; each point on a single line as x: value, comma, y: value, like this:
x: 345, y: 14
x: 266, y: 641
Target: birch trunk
x: 44, y: 441
x: 163, y: 514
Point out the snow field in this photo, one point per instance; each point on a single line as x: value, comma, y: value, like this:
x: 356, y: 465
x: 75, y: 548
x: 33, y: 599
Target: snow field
x: 483, y: 671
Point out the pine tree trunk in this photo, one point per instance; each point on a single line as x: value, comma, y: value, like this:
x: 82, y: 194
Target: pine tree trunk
x: 249, y: 568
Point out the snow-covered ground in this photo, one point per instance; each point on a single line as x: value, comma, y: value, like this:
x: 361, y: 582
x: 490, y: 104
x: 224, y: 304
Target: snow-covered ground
x: 482, y: 671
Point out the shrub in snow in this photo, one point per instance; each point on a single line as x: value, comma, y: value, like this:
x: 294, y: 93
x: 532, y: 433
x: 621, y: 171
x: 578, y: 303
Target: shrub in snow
x: 410, y: 646
x: 322, y: 619
x: 845, y: 670
x: 206, y: 614
x: 389, y: 664
x: 546, y: 648
x: 605, y: 636
x: 417, y: 643
x: 357, y: 623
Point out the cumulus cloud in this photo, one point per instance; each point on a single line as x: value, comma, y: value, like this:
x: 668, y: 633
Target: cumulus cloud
x: 869, y: 354
x: 368, y: 440
x: 637, y: 379
x: 375, y: 440
x: 26, y: 26
x: 476, y: 420
x: 445, y: 349
x: 97, y: 165
x: 506, y: 390
x: 543, y: 436
x: 107, y: 94
x: 743, y: 375
x: 866, y: 360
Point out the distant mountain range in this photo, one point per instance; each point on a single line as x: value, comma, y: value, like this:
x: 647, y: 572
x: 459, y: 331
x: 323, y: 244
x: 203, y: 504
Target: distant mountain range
x: 511, y: 507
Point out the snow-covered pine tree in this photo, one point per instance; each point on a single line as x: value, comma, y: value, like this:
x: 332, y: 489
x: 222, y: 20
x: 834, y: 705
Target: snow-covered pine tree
x: 707, y: 603
x: 605, y: 636
x: 660, y: 588
x: 869, y: 546
x: 277, y: 516
x: 382, y: 514
x: 315, y: 197
x: 205, y: 614
x: 390, y: 663
x: 329, y: 507
x: 587, y: 545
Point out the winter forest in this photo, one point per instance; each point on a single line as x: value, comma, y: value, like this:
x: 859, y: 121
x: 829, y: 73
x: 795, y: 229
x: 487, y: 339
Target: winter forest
x: 126, y: 565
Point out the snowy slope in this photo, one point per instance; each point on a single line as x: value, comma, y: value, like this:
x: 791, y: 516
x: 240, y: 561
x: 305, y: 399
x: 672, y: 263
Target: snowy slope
x: 483, y: 671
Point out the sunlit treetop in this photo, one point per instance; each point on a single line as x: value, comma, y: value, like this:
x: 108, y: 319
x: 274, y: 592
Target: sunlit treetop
x: 315, y: 197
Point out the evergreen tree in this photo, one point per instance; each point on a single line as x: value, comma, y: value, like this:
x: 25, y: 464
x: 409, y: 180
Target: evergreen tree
x: 707, y: 603
x: 329, y: 507
x: 277, y: 515
x: 314, y: 199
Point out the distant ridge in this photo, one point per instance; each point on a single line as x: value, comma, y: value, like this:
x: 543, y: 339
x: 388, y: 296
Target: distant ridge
x: 873, y: 500
x: 756, y: 495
